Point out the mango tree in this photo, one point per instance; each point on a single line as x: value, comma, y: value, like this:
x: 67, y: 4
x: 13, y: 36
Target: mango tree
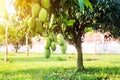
x: 62, y: 20
x: 52, y: 18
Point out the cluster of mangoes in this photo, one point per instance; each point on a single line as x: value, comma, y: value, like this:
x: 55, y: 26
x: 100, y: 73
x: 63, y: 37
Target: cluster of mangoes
x: 62, y: 43
x: 36, y: 22
x: 49, y: 45
x: 39, y: 17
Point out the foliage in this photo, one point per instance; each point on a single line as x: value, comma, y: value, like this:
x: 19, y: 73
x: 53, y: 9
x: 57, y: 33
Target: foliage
x: 23, y: 8
x: 102, y: 67
x: 107, y: 17
x: 61, y: 16
x: 2, y: 34
x: 13, y: 36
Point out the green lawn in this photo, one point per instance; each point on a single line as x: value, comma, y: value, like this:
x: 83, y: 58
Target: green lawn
x: 59, y: 67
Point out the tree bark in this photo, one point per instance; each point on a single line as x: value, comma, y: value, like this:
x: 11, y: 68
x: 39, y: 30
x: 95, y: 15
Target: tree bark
x: 16, y: 48
x: 78, y: 46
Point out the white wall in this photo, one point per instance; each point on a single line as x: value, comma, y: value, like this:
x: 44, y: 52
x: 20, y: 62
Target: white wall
x: 109, y: 47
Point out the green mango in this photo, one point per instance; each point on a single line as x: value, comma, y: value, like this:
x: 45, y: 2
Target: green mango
x: 60, y: 39
x: 45, y: 3
x: 53, y: 46
x: 31, y: 23
x: 47, y: 43
x: 43, y: 15
x: 35, y: 10
x: 47, y: 53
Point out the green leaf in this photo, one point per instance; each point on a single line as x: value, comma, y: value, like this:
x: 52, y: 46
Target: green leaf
x: 64, y: 1
x: 76, y: 2
x: 70, y: 22
x: 81, y: 3
x: 88, y: 4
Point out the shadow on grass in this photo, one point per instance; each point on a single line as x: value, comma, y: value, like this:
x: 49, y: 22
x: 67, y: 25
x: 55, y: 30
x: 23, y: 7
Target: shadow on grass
x: 31, y: 59
x: 36, y: 59
x: 61, y: 73
x: 115, y: 62
x: 98, y: 73
x: 43, y: 59
x: 91, y: 59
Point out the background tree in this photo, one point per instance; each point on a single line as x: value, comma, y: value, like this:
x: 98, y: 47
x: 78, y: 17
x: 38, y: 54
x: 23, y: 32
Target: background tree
x: 107, y: 17
x: 2, y: 34
x: 72, y: 20
x: 15, y: 35
x: 6, y: 22
x: 23, y: 11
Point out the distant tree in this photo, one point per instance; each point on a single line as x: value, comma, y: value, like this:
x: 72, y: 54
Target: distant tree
x: 23, y: 11
x: 2, y: 34
x: 107, y: 17
x: 15, y: 35
x: 12, y: 36
x: 6, y: 18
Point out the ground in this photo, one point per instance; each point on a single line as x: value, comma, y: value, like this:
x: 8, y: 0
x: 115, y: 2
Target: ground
x: 59, y: 67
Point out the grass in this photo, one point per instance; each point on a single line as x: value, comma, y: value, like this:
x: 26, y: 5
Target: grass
x: 59, y: 67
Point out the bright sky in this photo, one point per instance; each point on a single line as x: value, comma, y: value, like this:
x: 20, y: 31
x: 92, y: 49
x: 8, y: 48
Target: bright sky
x: 9, y: 7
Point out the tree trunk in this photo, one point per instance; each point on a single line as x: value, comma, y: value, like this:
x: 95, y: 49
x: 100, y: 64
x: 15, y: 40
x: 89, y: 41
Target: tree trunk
x: 6, y: 46
x: 27, y: 45
x: 16, y: 48
x: 16, y: 51
x: 78, y: 46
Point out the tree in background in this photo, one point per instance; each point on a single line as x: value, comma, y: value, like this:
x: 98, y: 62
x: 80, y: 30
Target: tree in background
x: 107, y: 17
x: 58, y: 20
x: 6, y: 22
x: 15, y: 35
x: 23, y: 11
x: 2, y: 34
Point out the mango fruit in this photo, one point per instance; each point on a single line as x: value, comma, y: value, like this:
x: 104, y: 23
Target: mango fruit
x: 43, y: 15
x: 60, y: 39
x: 45, y: 3
x: 47, y: 53
x: 31, y: 23
x: 53, y: 46
x: 47, y: 43
x: 35, y: 10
